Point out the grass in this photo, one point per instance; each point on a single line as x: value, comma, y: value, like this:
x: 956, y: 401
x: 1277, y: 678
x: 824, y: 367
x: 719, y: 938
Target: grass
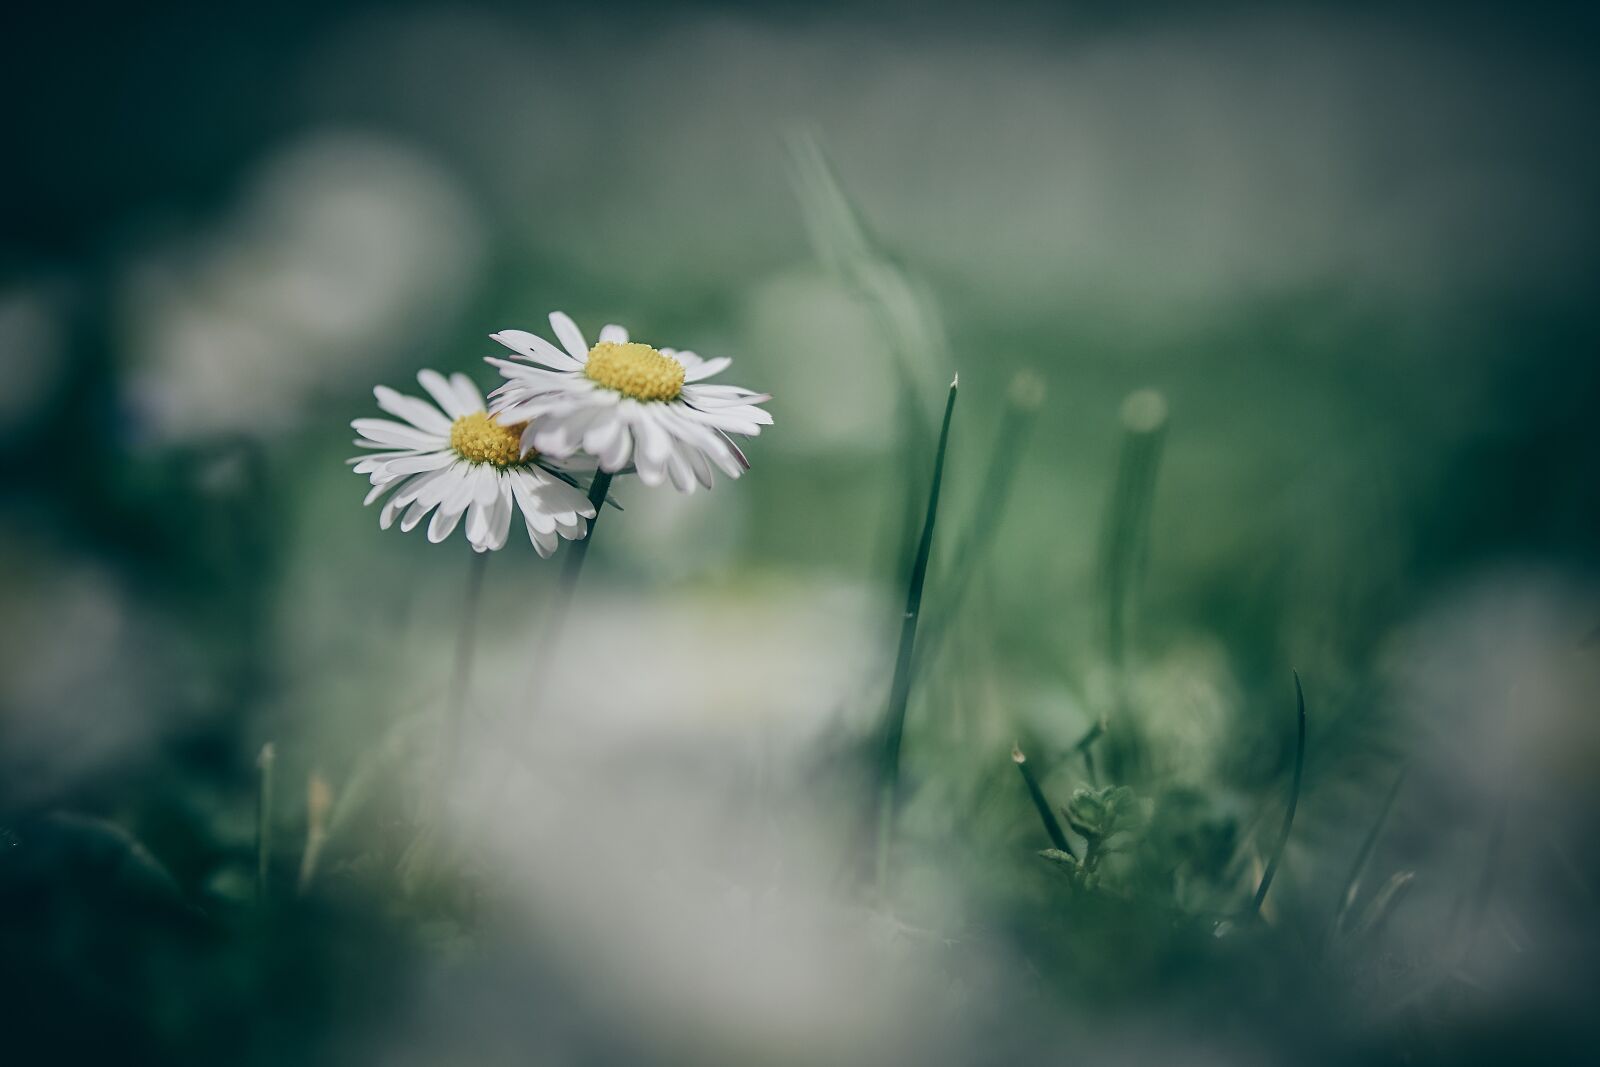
x: 888, y: 799
x: 1294, y: 799
x: 1131, y: 915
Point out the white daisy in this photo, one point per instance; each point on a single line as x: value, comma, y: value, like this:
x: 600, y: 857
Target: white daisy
x: 456, y: 459
x: 623, y: 402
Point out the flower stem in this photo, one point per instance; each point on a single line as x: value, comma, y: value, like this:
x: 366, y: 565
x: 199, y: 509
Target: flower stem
x: 580, y: 549
x: 572, y: 567
x: 461, y: 678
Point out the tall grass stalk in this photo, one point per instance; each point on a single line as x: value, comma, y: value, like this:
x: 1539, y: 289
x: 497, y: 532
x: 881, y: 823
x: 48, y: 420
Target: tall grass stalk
x: 319, y: 805
x: 1124, y: 551
x: 900, y: 686
x: 1124, y: 547
x: 1294, y: 799
x: 266, y: 769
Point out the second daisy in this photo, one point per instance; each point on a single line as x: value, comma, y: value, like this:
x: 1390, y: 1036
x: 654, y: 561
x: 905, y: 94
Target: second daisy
x: 456, y: 459
x: 624, y: 402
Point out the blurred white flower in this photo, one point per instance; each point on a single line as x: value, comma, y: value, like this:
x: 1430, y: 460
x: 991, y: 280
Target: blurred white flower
x: 812, y: 333
x: 104, y: 698
x: 622, y: 400
x: 343, y: 249
x: 462, y: 461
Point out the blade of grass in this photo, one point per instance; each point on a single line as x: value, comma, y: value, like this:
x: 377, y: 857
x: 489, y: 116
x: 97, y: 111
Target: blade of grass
x: 1352, y: 883
x: 1023, y: 403
x: 1294, y: 799
x: 1085, y: 748
x: 900, y: 686
x: 1052, y: 826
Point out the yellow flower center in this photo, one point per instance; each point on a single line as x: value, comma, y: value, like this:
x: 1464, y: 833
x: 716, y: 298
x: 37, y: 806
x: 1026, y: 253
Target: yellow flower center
x: 477, y: 438
x: 635, y: 370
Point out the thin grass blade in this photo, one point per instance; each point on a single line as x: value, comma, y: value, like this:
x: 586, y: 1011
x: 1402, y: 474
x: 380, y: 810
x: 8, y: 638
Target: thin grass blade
x: 1052, y: 825
x: 900, y: 686
x: 1384, y: 902
x: 1294, y: 799
x: 1025, y: 398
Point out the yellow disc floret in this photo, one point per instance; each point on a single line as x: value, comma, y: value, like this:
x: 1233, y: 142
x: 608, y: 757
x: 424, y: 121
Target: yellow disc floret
x: 635, y: 370
x: 477, y: 438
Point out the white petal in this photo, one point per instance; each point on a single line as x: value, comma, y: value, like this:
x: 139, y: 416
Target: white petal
x: 655, y: 446
x: 533, y: 347
x: 570, y: 336
x: 397, y: 435
x: 467, y: 392
x: 414, y: 514
x: 419, y: 413
x: 616, y: 456
x: 442, y: 394
x: 430, y: 461
x: 525, y: 488
x: 485, y: 484
x: 477, y: 524
x: 442, y: 524
x: 500, y: 520
x: 613, y: 333
x: 706, y: 368
x: 386, y: 516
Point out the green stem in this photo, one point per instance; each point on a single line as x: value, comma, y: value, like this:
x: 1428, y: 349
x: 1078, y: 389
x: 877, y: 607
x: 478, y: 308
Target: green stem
x: 461, y: 679
x: 900, y: 687
x: 572, y: 567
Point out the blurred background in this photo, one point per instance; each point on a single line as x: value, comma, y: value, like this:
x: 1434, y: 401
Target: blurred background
x: 1276, y: 331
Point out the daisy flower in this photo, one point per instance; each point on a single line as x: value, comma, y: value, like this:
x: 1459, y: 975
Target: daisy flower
x: 456, y: 459
x: 624, y: 402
